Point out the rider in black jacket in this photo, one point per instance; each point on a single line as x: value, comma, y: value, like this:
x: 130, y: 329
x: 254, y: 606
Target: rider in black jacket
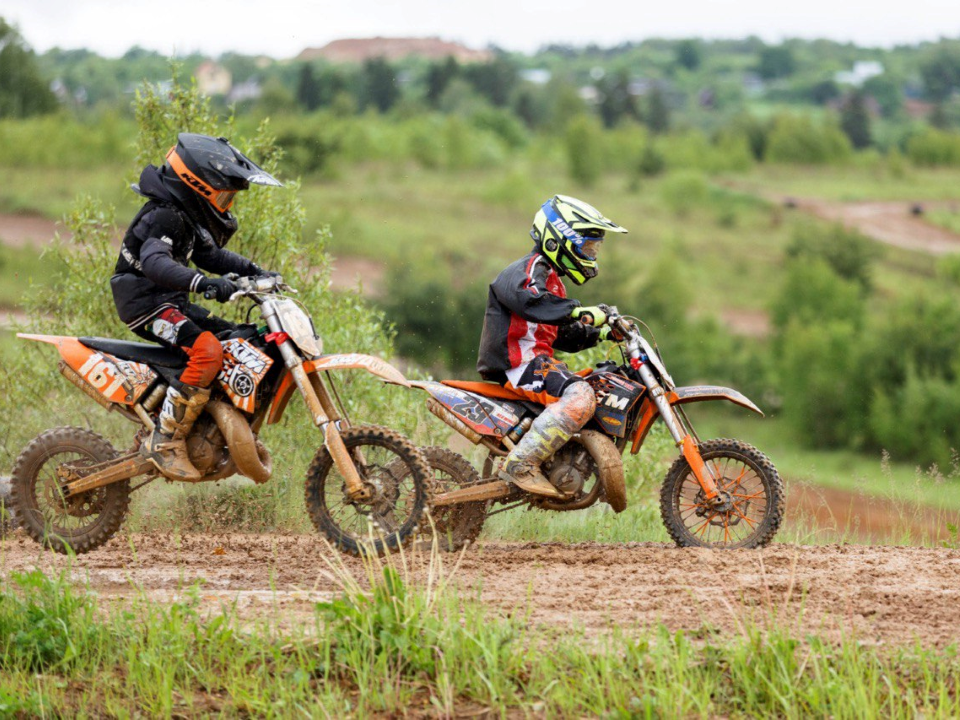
x: 529, y: 316
x: 186, y: 218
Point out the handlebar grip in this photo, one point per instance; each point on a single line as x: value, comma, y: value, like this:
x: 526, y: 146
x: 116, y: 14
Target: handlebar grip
x: 587, y: 318
x: 210, y: 293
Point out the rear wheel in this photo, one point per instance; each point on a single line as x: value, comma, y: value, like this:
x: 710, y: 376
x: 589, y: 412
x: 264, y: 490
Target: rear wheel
x: 456, y: 526
x: 399, y: 480
x: 79, y: 524
x: 751, y: 489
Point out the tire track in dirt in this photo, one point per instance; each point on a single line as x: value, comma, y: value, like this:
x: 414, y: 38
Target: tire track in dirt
x: 886, y: 595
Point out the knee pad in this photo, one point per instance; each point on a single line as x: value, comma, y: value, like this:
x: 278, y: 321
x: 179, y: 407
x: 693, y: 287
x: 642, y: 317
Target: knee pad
x: 576, y: 406
x: 206, y: 359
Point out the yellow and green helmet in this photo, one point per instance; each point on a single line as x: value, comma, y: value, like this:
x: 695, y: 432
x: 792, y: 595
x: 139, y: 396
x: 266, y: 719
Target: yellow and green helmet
x: 568, y: 232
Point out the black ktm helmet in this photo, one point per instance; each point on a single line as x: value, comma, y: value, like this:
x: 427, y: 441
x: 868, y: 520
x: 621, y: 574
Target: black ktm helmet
x: 214, y: 169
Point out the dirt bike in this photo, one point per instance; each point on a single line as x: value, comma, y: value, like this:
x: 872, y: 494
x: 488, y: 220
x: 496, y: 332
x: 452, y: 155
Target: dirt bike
x: 718, y: 493
x: 71, y: 488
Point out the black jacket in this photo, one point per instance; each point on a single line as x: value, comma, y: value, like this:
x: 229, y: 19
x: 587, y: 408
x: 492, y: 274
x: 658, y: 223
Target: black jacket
x: 528, y: 314
x: 172, y: 229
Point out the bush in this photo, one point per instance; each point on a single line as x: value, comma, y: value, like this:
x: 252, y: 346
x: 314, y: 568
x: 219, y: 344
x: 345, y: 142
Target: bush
x: 797, y: 139
x: 438, y: 322
x: 812, y: 293
x: 918, y: 420
x: 933, y: 148
x: 820, y: 381
x: 683, y: 191
x: 583, y: 142
x: 849, y: 253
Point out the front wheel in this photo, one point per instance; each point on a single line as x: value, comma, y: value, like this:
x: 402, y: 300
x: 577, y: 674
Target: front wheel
x: 752, y: 492
x: 400, y: 480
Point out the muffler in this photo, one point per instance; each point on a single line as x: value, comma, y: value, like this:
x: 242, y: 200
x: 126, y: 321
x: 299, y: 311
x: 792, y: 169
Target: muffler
x: 248, y: 454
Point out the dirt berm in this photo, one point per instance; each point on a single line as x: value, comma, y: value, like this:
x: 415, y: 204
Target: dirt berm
x: 886, y: 595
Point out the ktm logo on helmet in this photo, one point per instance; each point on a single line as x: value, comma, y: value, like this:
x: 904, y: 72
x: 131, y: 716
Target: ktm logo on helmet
x: 197, y: 185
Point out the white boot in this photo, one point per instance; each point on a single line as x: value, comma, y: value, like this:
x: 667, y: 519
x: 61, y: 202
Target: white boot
x: 166, y: 447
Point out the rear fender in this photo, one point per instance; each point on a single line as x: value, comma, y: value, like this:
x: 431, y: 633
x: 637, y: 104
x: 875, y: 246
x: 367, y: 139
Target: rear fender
x: 119, y: 381
x: 484, y: 415
x: 373, y: 365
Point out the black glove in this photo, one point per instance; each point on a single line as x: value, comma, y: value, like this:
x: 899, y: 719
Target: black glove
x: 260, y: 272
x: 219, y: 288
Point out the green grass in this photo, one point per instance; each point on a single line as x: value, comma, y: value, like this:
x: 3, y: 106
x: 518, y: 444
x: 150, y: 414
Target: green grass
x: 51, y: 192
x: 949, y: 219
x: 390, y: 645
x: 23, y: 270
x: 868, y: 179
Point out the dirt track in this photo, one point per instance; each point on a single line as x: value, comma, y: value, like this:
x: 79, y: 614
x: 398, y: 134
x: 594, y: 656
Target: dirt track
x: 887, y: 595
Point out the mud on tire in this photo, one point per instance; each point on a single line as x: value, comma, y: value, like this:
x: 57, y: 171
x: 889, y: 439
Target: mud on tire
x: 689, y: 523
x: 389, y: 522
x: 40, y: 510
x: 456, y: 526
x: 6, y: 517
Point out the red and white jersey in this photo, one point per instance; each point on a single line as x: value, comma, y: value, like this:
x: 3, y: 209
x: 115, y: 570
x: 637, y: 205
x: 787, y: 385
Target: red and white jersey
x: 528, y: 314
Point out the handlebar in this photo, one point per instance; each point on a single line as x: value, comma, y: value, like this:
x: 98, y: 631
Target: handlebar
x: 252, y: 286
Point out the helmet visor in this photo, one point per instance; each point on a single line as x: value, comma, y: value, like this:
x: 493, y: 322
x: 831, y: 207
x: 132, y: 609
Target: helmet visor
x: 590, y: 248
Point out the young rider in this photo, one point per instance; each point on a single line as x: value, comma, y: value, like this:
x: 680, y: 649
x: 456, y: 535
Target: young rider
x: 186, y: 217
x: 529, y: 315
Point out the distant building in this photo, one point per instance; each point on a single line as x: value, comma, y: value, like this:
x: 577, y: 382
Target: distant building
x: 753, y: 85
x: 213, y: 78
x: 246, y: 90
x: 589, y: 94
x: 861, y: 72
x: 360, y: 49
x: 918, y: 109
x: 537, y: 76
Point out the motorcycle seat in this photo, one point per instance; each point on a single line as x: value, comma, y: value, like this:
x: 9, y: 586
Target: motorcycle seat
x: 146, y: 353
x: 486, y: 389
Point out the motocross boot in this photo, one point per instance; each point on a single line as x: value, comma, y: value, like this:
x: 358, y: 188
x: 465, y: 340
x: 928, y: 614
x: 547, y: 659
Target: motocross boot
x: 166, y: 447
x: 549, y: 432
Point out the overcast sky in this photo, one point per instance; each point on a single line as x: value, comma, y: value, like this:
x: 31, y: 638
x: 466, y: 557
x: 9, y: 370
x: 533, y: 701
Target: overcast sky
x: 281, y: 28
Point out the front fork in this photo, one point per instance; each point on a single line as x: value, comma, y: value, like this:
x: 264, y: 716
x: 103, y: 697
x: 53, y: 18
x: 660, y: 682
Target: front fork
x: 683, y: 439
x: 323, y: 413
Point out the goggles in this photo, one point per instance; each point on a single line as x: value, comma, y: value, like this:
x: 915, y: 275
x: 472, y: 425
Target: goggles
x: 220, y: 199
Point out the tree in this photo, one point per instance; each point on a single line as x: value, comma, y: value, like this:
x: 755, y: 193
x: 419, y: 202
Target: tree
x: 439, y: 76
x: 776, y: 62
x: 824, y: 91
x: 855, y: 120
x: 887, y: 92
x: 657, y: 116
x: 494, y: 80
x: 308, y: 89
x: 616, y: 102
x: 940, y: 71
x: 689, y: 54
x: 23, y: 91
x: 380, y: 84
x: 584, y: 152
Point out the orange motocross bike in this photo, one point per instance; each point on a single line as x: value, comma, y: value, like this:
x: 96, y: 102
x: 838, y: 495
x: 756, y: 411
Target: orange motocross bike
x: 366, y: 488
x: 718, y: 493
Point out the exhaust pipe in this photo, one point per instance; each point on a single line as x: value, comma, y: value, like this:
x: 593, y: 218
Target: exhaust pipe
x: 438, y: 409
x: 248, y: 453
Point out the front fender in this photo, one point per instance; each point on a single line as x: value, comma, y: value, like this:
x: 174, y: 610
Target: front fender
x: 703, y: 393
x: 374, y: 365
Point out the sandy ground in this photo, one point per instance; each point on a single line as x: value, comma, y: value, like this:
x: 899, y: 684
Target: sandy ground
x: 889, y: 222
x: 882, y: 595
